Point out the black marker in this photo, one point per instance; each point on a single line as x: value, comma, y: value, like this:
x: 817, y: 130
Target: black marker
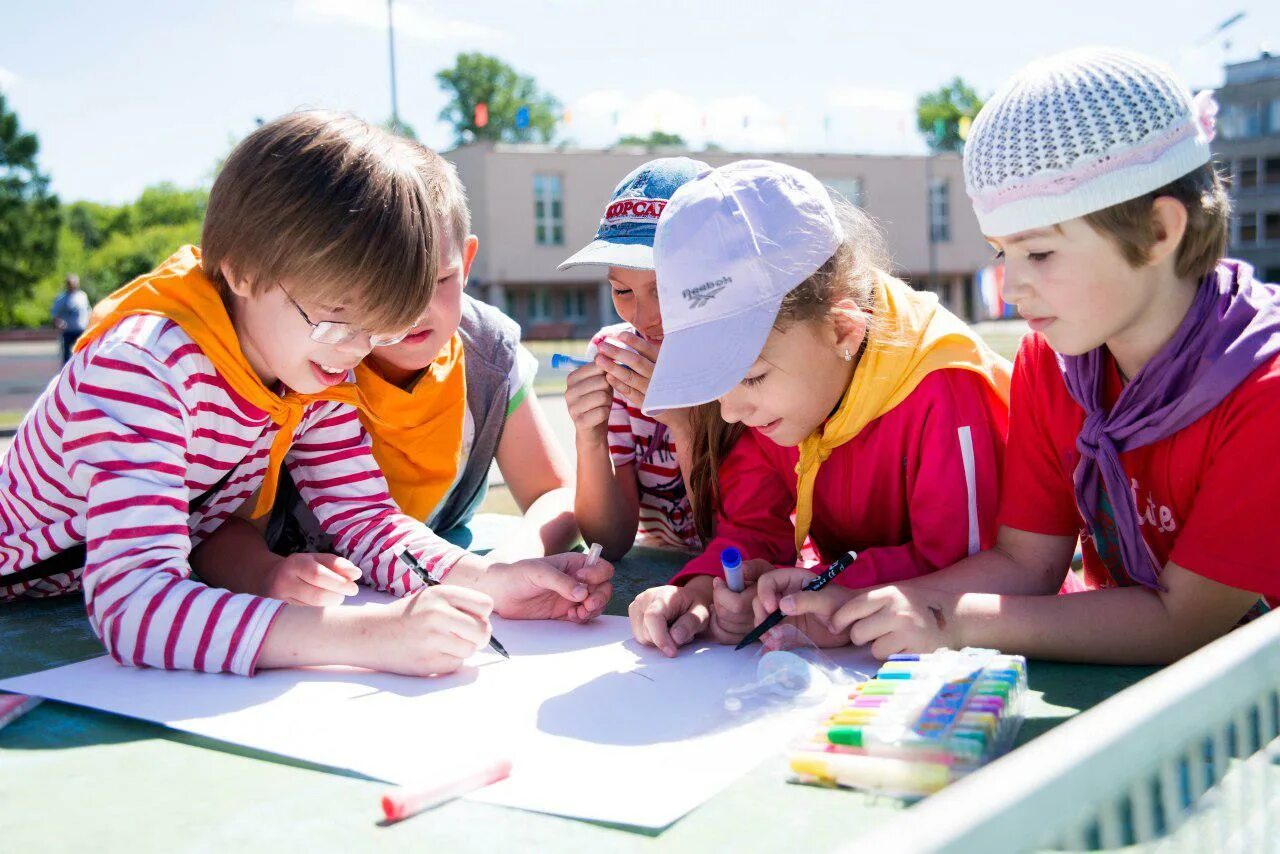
x: 413, y: 564
x: 841, y: 564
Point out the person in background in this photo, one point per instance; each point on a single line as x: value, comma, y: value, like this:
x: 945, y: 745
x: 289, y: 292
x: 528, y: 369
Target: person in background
x: 70, y: 314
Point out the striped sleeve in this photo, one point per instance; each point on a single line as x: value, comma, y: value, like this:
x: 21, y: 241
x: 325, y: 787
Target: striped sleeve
x: 622, y: 441
x: 125, y: 446
x: 332, y: 463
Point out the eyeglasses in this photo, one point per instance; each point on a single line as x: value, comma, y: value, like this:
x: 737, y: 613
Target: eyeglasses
x: 338, y: 332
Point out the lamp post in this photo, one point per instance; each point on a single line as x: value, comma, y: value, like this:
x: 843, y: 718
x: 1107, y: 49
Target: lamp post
x: 391, y: 45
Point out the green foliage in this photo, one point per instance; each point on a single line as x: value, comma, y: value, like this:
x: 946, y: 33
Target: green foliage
x: 479, y: 79
x: 656, y: 139
x: 126, y: 256
x: 29, y: 215
x: 165, y: 204
x: 938, y: 114
x: 108, y: 245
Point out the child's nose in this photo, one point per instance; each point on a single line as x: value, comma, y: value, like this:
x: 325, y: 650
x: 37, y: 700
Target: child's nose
x: 732, y: 410
x: 357, y: 347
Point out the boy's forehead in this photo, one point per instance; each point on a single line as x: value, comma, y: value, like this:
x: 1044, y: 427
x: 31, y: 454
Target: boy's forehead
x: 1029, y: 235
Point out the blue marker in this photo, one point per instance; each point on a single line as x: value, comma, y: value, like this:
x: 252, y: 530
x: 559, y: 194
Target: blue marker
x: 561, y: 362
x: 731, y: 561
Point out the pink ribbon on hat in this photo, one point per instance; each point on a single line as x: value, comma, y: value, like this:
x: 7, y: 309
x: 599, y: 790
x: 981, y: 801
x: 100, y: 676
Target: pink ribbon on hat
x: 1205, y: 107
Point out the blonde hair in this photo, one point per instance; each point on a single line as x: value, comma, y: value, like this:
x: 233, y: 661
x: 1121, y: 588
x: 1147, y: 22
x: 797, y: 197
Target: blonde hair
x: 337, y: 205
x: 851, y: 274
x: 1204, y: 195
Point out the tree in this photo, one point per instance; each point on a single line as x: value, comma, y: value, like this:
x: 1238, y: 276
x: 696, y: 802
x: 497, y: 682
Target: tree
x: 938, y: 114
x: 479, y: 79
x: 29, y: 215
x: 656, y: 139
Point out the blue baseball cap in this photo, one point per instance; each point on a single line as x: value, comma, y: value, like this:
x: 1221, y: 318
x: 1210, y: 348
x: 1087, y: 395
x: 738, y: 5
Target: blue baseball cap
x: 625, y: 236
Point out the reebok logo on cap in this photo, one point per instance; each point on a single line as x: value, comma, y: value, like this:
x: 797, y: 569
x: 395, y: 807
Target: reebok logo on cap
x: 706, y: 292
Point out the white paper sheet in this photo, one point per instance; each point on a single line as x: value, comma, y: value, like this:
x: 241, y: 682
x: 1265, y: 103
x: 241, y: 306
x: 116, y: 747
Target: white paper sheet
x: 596, y: 726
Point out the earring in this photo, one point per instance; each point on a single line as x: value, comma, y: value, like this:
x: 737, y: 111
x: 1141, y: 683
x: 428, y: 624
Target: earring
x: 848, y: 357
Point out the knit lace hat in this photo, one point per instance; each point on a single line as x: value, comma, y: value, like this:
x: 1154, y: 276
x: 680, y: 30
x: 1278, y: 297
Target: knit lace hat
x: 1079, y: 132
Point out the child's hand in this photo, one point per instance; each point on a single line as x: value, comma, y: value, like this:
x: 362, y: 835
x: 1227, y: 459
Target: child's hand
x: 431, y: 631
x: 733, y: 614
x: 628, y: 373
x: 557, y: 587
x: 589, y: 397
x: 316, y: 579
x: 668, y: 617
x: 896, y: 618
x: 784, y: 587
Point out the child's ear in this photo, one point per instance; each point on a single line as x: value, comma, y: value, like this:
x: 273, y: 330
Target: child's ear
x: 236, y: 284
x: 469, y: 249
x: 849, y: 323
x: 1169, y: 225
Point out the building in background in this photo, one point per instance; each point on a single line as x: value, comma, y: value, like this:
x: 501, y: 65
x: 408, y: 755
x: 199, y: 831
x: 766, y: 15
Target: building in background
x: 534, y: 205
x: 1248, y: 145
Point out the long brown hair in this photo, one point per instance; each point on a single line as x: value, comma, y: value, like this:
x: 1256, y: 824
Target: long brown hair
x: 852, y: 273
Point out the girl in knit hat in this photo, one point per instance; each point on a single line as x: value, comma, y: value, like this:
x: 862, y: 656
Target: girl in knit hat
x: 1144, y: 404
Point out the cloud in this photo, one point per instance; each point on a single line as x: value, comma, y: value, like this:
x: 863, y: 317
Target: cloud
x: 8, y: 79
x: 413, y: 20
x: 862, y: 98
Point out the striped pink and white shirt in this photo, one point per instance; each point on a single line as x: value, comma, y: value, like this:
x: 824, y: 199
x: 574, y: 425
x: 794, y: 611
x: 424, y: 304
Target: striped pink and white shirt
x: 137, y: 425
x: 666, y: 518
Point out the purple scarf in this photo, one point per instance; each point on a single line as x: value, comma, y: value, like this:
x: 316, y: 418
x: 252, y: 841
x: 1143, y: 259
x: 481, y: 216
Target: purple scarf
x: 1232, y: 328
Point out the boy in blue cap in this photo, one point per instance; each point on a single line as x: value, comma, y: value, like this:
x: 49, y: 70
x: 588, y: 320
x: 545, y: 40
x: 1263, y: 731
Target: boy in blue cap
x: 630, y: 478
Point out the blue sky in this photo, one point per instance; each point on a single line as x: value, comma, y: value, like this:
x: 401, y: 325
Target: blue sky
x: 128, y: 93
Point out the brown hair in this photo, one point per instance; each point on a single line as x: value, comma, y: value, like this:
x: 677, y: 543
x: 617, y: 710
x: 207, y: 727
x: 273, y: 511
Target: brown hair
x: 852, y: 273
x: 448, y: 197
x: 1203, y: 194
x: 338, y: 205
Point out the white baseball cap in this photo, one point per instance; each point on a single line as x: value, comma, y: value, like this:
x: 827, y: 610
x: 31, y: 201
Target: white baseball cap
x: 730, y: 245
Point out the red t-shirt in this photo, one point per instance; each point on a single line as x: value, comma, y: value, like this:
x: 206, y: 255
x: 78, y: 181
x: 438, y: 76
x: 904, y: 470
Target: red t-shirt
x: 1205, y: 495
x: 915, y: 491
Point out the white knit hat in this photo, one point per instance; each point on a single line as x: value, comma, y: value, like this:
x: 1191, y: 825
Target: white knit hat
x: 1079, y: 132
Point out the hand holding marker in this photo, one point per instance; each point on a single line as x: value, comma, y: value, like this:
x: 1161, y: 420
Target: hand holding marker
x: 731, y: 563
x: 421, y: 572
x: 841, y: 564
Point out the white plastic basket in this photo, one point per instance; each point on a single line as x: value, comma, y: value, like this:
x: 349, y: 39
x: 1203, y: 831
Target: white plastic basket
x: 1188, y: 759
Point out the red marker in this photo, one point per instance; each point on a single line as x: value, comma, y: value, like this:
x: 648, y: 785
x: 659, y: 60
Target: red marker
x: 14, y: 706
x: 400, y: 803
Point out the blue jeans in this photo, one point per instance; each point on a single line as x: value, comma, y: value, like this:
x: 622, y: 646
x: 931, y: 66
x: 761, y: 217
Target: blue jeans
x: 68, y: 342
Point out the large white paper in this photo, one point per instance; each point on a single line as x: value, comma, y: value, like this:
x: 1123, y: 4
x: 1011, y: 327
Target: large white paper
x: 596, y: 726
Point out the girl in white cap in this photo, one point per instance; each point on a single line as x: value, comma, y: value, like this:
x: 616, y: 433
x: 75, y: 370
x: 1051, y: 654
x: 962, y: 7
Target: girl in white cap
x: 1145, y: 402
x: 870, y: 411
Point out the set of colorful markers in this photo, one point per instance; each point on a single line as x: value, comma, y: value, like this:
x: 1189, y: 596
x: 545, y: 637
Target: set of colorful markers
x: 921, y: 723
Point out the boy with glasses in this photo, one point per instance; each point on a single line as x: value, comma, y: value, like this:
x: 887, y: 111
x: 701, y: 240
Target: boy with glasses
x: 195, y: 383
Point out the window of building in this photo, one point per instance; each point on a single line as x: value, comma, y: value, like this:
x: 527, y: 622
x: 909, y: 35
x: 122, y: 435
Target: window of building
x: 548, y: 210
x: 574, y: 304
x: 1247, y: 228
x: 1271, y: 227
x: 940, y: 211
x: 1271, y: 171
x: 540, y: 305
x: 850, y: 188
x: 1247, y: 174
x: 1273, y: 121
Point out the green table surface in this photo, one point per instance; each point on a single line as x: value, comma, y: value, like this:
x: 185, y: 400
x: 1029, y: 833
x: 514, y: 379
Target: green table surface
x: 77, y: 779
